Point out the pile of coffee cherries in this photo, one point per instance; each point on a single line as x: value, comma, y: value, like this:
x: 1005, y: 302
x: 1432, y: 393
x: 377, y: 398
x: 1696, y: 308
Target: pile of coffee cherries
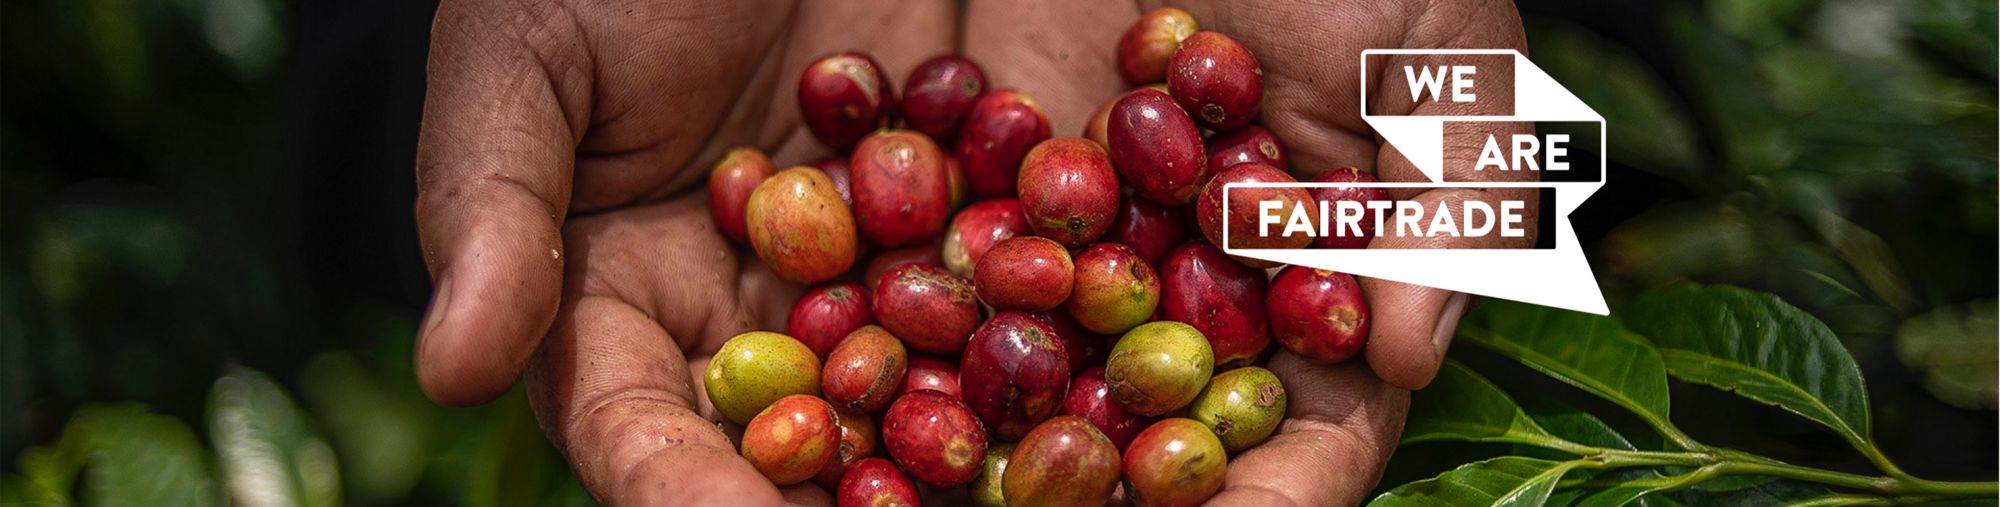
x: 1062, y: 334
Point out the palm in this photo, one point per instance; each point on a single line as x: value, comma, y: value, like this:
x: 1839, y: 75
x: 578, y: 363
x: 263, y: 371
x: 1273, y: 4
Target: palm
x: 1344, y: 420
x: 556, y: 135
x: 590, y: 114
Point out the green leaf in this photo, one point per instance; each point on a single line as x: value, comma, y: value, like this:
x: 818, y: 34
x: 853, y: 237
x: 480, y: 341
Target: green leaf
x: 1759, y: 347
x: 1568, y: 423
x: 126, y: 455
x: 1748, y: 491
x: 1460, y: 405
x: 1618, y: 495
x: 1954, y: 347
x: 1508, y: 481
x: 270, y: 454
x: 1839, y: 500
x: 1591, y: 352
x: 1596, y: 493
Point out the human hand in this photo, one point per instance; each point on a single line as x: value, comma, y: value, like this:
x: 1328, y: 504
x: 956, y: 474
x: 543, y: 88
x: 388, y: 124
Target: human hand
x: 555, y: 135
x: 1345, y: 419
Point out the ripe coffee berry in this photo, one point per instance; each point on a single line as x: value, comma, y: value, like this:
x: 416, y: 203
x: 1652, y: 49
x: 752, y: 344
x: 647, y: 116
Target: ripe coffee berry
x: 1216, y: 80
x: 1002, y: 127
x: 1156, y: 148
x: 1318, y: 314
x: 844, y: 96
x: 1069, y: 190
x: 939, y: 95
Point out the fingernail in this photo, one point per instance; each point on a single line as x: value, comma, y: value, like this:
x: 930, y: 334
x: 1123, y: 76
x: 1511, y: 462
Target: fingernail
x: 1447, y: 324
x: 434, y: 311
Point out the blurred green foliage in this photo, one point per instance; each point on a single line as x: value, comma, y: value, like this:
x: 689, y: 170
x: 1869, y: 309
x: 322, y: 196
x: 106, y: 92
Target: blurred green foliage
x: 1839, y: 153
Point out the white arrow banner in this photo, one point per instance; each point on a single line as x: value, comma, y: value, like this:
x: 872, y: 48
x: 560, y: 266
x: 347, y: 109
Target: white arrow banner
x: 1558, y: 277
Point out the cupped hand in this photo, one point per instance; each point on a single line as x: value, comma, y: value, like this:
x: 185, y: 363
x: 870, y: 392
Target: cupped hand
x: 1344, y: 420
x: 555, y: 137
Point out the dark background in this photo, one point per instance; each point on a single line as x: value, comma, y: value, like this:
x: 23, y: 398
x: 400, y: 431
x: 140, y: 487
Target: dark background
x: 194, y: 189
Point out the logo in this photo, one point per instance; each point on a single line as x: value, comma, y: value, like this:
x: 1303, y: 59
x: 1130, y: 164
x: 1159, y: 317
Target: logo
x: 1507, y: 90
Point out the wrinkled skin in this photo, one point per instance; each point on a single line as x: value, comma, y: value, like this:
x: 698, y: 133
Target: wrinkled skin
x: 560, y: 141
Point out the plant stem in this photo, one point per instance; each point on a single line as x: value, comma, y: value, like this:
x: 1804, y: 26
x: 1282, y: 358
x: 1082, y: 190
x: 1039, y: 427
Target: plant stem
x: 1712, y: 462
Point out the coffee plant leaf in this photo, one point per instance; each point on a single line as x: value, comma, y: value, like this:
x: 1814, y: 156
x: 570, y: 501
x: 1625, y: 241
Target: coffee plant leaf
x: 1759, y: 347
x: 1592, y: 352
x: 1506, y: 481
x: 1460, y: 405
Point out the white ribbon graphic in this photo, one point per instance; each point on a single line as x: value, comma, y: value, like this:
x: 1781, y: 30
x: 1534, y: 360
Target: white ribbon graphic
x: 1558, y: 277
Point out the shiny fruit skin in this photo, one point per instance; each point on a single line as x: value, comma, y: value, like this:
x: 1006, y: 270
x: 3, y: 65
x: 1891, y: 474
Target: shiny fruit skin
x: 1174, y: 463
x: 1244, y: 210
x: 1090, y: 398
x: 1063, y: 462
x: 930, y: 373
x: 754, y: 369
x: 730, y: 183
x: 863, y: 373
x: 1069, y: 190
x: 1152, y: 231
x: 836, y: 169
x: 1114, y: 290
x: 1095, y: 128
x: 902, y: 192
x: 858, y: 439
x: 1084, y: 347
x: 793, y: 439
x: 880, y: 263
x: 1216, y: 80
x: 1147, y: 47
x: 1014, y: 373
x: 1157, y: 148
x: 1003, y: 126
x: 1025, y: 273
x: 844, y: 96
x: 1158, y: 367
x: 800, y: 227
x: 935, y: 437
x: 875, y: 482
x: 1318, y: 314
x: 986, y: 490
x: 939, y: 95
x: 1242, y: 407
x: 825, y: 315
x: 977, y: 228
x: 1246, y: 145
x: 1204, y: 288
x: 1357, y: 194
x: 928, y: 308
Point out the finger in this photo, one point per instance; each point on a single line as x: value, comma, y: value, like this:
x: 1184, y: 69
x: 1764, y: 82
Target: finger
x: 1341, y: 427
x: 899, y: 35
x: 493, y: 171
x: 1311, y: 94
x: 1413, y: 325
x: 1058, y: 53
x: 1412, y: 330
x: 611, y: 390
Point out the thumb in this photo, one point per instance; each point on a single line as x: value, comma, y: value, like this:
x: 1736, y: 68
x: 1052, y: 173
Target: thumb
x: 494, y: 159
x: 1413, y: 327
